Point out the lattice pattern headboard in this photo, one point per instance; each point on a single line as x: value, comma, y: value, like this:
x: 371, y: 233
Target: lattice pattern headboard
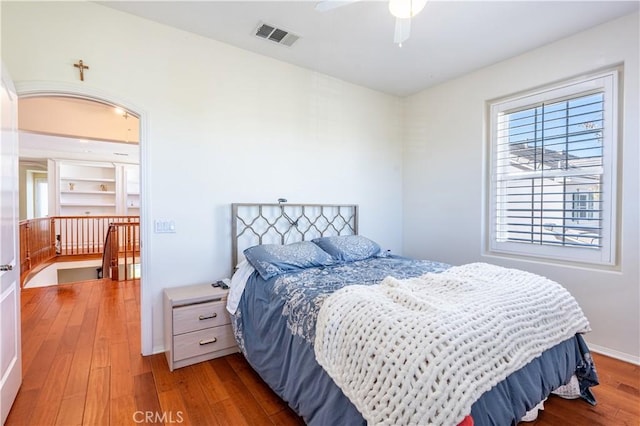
x: 253, y: 224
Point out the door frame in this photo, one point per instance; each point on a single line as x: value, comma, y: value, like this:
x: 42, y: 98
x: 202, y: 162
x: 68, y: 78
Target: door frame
x: 11, y: 344
x: 56, y: 88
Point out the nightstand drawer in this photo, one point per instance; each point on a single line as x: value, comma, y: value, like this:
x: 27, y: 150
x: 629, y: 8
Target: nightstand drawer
x: 200, y: 316
x: 202, y: 342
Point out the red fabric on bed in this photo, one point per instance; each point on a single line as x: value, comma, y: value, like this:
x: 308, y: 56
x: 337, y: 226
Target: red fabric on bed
x: 468, y: 421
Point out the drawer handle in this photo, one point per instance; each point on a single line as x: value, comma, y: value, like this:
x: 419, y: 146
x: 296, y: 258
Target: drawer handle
x: 207, y: 342
x: 202, y: 317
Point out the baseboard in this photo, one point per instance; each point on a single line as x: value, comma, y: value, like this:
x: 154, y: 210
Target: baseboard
x: 622, y: 356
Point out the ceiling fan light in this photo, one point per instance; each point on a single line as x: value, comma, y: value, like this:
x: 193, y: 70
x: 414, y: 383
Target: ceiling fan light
x: 406, y: 8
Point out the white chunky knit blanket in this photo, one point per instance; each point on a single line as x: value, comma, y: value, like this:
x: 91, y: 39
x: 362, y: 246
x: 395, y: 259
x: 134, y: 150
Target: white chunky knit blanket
x: 421, y: 351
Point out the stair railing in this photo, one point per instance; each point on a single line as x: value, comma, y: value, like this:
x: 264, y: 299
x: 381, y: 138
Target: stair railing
x: 121, y: 254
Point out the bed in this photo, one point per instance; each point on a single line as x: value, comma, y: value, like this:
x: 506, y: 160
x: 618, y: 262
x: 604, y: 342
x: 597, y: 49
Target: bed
x: 294, y: 262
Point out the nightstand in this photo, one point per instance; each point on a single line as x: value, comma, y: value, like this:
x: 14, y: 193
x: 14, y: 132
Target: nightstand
x: 197, y: 326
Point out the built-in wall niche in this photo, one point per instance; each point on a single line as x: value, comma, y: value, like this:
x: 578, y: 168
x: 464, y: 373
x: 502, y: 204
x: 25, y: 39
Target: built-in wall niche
x: 86, y: 188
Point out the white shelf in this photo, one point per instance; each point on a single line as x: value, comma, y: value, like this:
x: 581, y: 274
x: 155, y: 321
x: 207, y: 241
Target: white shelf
x: 88, y: 204
x: 83, y: 179
x: 88, y: 192
x: 95, y: 188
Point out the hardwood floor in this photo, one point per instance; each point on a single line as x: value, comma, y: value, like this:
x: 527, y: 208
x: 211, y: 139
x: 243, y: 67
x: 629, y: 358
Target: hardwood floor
x: 82, y: 366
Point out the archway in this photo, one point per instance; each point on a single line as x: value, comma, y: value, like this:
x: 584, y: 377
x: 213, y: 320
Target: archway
x: 38, y: 88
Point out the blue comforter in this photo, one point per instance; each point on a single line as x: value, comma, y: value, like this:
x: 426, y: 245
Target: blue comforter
x: 275, y: 329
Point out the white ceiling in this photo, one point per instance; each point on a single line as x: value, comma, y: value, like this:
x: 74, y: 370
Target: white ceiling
x: 355, y: 42
x: 38, y: 147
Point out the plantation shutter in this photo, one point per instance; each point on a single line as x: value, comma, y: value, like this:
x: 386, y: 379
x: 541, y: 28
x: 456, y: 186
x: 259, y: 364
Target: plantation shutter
x: 549, y: 173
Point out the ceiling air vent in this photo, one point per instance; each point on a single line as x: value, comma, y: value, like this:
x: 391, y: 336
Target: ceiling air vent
x: 276, y: 35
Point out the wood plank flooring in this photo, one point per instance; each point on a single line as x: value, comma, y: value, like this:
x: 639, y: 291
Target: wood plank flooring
x: 82, y: 366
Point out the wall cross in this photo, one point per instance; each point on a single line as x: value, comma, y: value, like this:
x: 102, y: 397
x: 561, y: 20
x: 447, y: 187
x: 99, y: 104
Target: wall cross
x: 81, y: 67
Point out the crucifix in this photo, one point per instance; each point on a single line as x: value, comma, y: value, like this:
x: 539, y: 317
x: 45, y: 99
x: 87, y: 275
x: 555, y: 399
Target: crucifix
x: 81, y: 67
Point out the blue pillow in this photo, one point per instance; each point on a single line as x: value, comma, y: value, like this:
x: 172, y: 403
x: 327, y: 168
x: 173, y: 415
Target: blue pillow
x: 275, y: 259
x: 349, y: 248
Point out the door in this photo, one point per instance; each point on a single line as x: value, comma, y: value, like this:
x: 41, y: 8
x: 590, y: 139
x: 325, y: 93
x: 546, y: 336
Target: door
x: 10, y: 343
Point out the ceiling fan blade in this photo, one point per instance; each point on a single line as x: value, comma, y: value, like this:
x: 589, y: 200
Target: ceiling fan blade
x: 326, y: 5
x: 403, y: 29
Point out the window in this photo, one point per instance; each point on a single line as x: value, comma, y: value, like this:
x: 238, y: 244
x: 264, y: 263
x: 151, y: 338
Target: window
x: 41, y: 197
x: 583, y: 205
x: 553, y: 172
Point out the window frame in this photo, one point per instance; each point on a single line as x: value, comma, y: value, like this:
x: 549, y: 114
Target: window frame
x: 606, y: 255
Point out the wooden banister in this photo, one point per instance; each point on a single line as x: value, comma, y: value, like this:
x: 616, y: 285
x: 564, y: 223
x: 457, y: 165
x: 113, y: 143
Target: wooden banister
x: 45, y: 240
x: 85, y: 235
x: 121, y: 248
x: 37, y: 244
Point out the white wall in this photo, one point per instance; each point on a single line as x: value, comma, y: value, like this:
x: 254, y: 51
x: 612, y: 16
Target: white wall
x: 444, y: 155
x: 224, y: 125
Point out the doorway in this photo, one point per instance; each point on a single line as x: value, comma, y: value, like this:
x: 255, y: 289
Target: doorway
x: 77, y: 90
x: 90, y: 163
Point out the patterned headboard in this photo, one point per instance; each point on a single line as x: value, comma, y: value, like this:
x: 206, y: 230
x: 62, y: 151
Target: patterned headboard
x: 253, y: 224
